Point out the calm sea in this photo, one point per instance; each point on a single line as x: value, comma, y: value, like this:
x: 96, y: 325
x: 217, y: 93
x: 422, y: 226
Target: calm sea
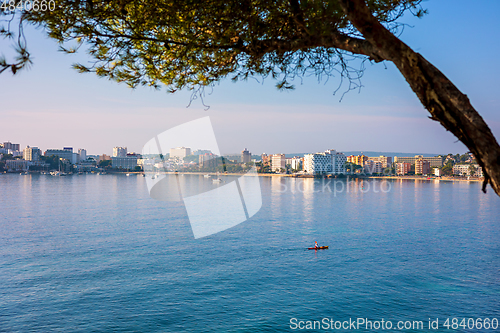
x: 94, y: 253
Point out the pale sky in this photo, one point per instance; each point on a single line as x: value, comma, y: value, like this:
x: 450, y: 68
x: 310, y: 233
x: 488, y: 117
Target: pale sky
x: 53, y: 106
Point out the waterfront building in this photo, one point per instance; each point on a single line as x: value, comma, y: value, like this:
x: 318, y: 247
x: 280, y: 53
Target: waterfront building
x: 357, y: 159
x: 246, y: 156
x: 278, y: 162
x: 180, y: 152
x: 318, y: 163
x: 31, y: 153
x: 65, y: 153
x: 438, y: 172
x: 340, y: 161
x: 119, y: 152
x: 465, y: 170
x: 385, y: 160
x: 372, y: 166
x: 128, y: 162
x: 436, y: 161
x: 86, y: 165
x: 326, y: 163
x: 17, y: 165
x: 402, y: 168
x: 422, y: 167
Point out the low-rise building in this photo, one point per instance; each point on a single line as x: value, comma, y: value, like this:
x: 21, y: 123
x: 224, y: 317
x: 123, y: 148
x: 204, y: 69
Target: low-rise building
x: 128, y: 162
x: 65, y: 153
x: 468, y: 169
x: 17, y: 165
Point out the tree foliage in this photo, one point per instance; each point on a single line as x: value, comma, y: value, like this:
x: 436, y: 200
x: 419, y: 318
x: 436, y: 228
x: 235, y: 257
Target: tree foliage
x: 182, y: 44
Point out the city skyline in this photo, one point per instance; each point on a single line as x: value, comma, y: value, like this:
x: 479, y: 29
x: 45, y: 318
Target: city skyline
x: 111, y: 151
x: 84, y: 111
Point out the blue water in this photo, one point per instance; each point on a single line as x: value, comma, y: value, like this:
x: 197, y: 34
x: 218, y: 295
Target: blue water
x: 94, y: 253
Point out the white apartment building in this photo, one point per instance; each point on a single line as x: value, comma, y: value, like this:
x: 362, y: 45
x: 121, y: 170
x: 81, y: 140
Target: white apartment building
x: 119, y: 152
x: 180, y: 152
x: 127, y: 162
x: 329, y: 162
x: 464, y: 170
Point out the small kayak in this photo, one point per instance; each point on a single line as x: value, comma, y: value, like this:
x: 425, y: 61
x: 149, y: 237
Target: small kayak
x: 318, y: 248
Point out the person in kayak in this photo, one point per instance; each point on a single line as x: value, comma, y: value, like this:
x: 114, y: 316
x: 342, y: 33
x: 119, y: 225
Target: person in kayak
x: 315, y: 244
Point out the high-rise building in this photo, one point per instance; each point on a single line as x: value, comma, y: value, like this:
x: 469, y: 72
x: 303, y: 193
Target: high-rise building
x: 180, y: 152
x: 82, y: 154
x: 422, y: 167
x: 119, y: 151
x: 340, y: 161
x: 246, y: 156
x: 31, y: 153
x: 403, y: 168
x: 12, y: 146
x: 329, y: 162
x: 278, y: 162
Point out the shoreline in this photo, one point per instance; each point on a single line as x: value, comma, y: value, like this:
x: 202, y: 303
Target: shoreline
x: 442, y: 178
x: 445, y: 179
